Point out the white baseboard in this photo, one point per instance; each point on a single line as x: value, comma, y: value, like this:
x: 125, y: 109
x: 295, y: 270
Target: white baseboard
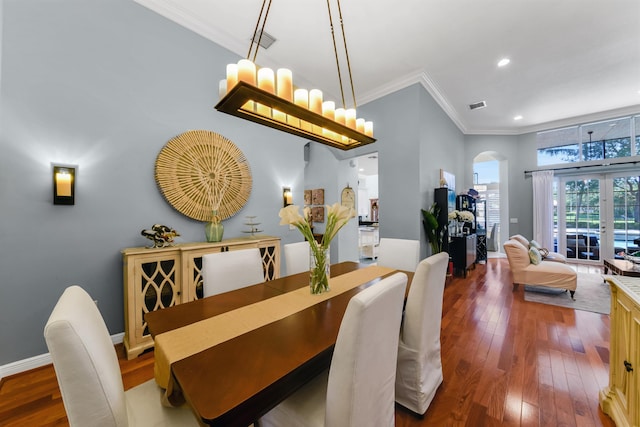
x: 40, y: 360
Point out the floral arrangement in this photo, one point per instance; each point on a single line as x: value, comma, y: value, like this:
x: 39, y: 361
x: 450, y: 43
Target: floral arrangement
x: 337, y: 217
x: 461, y: 216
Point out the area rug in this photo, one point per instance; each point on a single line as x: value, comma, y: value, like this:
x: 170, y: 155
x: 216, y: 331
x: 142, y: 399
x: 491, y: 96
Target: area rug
x: 592, y: 294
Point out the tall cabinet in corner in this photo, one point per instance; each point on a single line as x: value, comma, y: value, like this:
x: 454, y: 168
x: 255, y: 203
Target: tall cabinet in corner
x: 445, y: 198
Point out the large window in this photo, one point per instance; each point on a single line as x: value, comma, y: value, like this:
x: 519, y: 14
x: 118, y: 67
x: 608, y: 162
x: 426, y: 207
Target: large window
x: 558, y: 146
x: 606, y: 140
x: 609, y: 139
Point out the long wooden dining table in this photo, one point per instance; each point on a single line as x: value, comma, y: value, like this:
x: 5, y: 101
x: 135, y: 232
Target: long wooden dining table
x: 236, y: 381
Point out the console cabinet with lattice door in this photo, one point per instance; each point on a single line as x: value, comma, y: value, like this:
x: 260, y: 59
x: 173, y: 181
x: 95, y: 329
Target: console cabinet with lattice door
x: 156, y: 278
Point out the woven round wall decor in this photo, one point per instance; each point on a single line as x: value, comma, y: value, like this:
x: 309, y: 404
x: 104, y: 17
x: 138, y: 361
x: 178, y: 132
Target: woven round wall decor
x: 200, y: 171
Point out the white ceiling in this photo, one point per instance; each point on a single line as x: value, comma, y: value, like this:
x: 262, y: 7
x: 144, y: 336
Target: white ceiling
x: 571, y: 60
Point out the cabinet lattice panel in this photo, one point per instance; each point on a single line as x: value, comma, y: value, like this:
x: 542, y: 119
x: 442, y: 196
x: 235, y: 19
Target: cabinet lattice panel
x: 158, y: 282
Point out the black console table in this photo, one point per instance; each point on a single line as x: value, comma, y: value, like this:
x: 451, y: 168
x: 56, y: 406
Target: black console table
x: 463, y: 251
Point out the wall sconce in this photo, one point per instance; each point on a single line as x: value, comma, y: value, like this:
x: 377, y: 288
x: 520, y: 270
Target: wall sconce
x: 287, y: 196
x: 64, y: 183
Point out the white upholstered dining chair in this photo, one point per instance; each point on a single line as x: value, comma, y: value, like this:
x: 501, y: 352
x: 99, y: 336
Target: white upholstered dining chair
x: 296, y: 257
x: 401, y: 254
x: 227, y: 271
x: 419, y: 364
x: 359, y: 387
x: 89, y: 376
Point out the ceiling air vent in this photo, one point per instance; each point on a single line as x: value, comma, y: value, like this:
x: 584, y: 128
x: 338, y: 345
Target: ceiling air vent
x: 477, y: 105
x: 266, y: 40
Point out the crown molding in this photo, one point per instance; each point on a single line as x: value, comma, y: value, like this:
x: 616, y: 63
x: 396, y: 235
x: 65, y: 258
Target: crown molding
x: 579, y: 120
x: 169, y: 10
x: 426, y: 82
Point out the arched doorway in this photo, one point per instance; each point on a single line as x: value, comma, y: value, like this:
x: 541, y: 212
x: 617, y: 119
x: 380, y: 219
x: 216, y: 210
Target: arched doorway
x: 489, y: 170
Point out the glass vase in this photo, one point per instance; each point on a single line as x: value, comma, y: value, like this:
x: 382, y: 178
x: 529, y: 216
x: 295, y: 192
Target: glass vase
x: 214, y: 229
x: 319, y: 269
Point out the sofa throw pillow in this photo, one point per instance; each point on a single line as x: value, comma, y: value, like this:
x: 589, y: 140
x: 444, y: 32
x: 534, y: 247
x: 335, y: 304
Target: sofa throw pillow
x: 534, y: 244
x: 534, y: 256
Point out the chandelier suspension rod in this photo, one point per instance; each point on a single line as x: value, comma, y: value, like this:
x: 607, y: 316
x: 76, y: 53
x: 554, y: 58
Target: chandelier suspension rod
x: 335, y: 51
x: 346, y: 52
x: 255, y: 31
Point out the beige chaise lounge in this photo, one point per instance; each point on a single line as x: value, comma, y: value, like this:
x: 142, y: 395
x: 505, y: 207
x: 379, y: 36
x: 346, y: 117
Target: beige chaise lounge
x: 552, y: 256
x: 545, y: 273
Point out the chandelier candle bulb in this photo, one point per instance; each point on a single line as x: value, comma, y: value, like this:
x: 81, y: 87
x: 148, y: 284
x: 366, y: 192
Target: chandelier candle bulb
x: 222, y: 88
x: 266, y: 83
x: 247, y: 71
x: 368, y: 128
x: 284, y: 84
x: 315, y: 101
x: 263, y: 110
x: 329, y: 109
x: 232, y: 76
x: 360, y: 125
x: 340, y: 115
x: 293, y: 121
x: 301, y: 98
x: 279, y: 116
x: 350, y: 118
x: 265, y: 80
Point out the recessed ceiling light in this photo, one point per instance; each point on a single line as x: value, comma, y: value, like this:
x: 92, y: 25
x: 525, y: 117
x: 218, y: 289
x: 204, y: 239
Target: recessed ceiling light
x: 517, y: 118
x: 503, y: 62
x: 361, y: 170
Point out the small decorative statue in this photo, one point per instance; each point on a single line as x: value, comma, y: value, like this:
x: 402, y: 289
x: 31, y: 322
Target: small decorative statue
x: 161, y: 235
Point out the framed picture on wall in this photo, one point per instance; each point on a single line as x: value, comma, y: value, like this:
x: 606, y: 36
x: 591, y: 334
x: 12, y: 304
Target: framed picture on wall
x: 317, y: 213
x: 317, y: 196
x: 307, y: 197
x: 449, y: 179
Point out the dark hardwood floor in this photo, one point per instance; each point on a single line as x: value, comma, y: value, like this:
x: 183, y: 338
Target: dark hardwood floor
x: 506, y: 362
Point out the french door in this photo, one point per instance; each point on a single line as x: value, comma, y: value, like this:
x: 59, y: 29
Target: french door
x: 597, y: 216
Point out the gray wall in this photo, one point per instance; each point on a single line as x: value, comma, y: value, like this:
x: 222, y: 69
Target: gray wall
x: 441, y: 147
x: 415, y: 138
x: 104, y: 84
x: 520, y: 153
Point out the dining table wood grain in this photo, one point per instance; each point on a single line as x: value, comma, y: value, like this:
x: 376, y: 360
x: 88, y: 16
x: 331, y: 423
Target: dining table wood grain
x: 235, y: 382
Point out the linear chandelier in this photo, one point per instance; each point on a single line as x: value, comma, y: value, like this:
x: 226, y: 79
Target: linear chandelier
x: 271, y: 99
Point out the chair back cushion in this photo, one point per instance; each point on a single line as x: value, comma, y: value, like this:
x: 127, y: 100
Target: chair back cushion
x: 520, y: 238
x: 227, y: 271
x: 401, y: 254
x: 85, y: 362
x: 423, y: 311
x: 296, y: 257
x: 360, y: 390
x: 419, y: 370
x: 517, y: 255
